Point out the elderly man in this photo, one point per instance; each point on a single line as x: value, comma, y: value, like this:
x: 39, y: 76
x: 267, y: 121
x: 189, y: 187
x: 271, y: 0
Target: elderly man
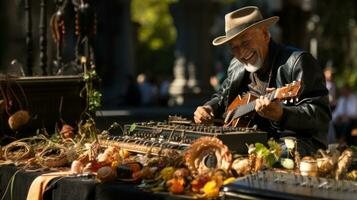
x: 260, y: 64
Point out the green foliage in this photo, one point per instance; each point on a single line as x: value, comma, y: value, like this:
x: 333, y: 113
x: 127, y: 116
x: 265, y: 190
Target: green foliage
x: 261, y: 150
x: 275, y: 149
x: 338, y: 40
x: 264, y: 152
x: 95, y: 100
x: 347, y: 76
x: 156, y: 35
x: 270, y: 160
x: 271, y: 154
x: 93, y: 96
x: 156, y: 25
x: 132, y: 127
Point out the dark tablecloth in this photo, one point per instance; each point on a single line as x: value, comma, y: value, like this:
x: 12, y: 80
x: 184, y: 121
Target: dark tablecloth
x: 74, y: 188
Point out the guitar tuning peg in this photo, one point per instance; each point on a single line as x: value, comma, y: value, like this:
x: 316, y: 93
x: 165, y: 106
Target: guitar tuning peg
x: 297, y: 99
x: 291, y: 100
x: 285, y: 101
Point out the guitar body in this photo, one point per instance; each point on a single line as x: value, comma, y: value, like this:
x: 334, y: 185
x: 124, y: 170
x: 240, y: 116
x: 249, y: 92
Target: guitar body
x: 236, y: 103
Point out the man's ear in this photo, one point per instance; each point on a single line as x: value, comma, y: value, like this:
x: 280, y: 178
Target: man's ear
x: 265, y: 32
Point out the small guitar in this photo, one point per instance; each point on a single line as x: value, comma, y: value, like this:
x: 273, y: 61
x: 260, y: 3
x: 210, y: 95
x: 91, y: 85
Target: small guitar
x: 241, y: 106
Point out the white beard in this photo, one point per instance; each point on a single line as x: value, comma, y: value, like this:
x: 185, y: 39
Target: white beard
x: 254, y: 67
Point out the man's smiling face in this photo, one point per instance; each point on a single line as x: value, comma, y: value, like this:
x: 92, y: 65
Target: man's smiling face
x: 251, y: 48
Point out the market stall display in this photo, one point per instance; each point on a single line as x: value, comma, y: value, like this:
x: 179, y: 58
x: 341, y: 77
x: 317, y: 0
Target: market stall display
x: 203, y: 168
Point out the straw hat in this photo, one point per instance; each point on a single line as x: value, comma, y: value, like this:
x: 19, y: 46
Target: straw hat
x: 240, y: 20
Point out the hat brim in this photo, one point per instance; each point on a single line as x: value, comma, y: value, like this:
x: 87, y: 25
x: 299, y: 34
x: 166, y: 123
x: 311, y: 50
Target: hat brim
x: 265, y: 22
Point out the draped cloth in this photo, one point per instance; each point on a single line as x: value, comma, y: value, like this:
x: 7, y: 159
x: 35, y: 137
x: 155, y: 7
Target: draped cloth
x: 39, y: 185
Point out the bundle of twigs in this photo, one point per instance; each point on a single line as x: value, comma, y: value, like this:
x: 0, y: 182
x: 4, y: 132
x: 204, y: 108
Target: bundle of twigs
x: 53, y: 156
x: 17, y: 150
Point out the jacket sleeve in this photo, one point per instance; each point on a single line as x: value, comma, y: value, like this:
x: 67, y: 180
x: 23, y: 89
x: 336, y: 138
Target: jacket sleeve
x: 218, y: 100
x: 311, y: 114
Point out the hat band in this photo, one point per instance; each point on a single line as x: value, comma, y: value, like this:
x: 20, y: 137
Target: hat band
x: 237, y: 29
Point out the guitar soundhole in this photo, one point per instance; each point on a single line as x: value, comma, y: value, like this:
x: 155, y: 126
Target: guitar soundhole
x: 210, y: 160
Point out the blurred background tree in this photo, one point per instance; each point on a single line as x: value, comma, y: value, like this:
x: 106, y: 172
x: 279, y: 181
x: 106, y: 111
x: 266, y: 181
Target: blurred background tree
x: 155, y: 36
x: 337, y: 32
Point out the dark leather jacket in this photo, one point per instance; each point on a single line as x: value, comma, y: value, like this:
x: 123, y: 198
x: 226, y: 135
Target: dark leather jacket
x: 310, y: 116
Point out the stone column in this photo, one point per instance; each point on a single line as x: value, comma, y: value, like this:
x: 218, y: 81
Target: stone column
x: 193, y: 64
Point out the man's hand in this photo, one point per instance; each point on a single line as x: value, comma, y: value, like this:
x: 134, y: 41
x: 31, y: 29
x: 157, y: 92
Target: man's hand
x: 203, y: 115
x: 268, y: 109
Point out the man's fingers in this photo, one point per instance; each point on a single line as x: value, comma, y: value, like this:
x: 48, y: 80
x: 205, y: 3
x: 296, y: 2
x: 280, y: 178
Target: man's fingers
x: 258, y: 105
x: 268, y: 109
x: 270, y: 89
x: 208, y: 110
x: 262, y: 102
x: 203, y: 114
x: 262, y: 106
x: 197, y: 120
x: 266, y: 102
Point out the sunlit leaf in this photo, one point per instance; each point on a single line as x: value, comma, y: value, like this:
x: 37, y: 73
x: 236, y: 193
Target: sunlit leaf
x: 260, y: 149
x: 132, y: 127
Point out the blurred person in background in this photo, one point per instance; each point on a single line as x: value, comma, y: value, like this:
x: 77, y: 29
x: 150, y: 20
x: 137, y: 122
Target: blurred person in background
x: 345, y: 115
x: 260, y: 64
x: 330, y: 85
x: 164, y: 92
x: 148, y: 91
